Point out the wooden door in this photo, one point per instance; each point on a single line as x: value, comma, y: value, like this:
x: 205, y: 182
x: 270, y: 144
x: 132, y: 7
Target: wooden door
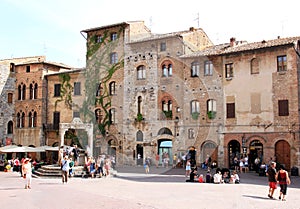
x: 283, y: 154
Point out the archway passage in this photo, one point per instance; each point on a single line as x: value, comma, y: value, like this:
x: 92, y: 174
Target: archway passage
x: 209, y: 149
x: 283, y: 153
x: 234, y: 150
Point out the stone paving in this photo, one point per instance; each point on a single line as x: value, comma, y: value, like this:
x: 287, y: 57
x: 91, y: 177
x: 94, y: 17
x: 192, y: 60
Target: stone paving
x: 130, y: 190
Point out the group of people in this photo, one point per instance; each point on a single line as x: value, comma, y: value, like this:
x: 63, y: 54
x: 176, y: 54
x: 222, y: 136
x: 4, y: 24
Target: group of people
x: 241, y: 164
x: 218, y: 178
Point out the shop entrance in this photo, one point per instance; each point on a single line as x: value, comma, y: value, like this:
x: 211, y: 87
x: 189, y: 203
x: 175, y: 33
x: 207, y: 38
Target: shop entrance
x: 256, y: 150
x: 234, y: 150
x: 165, y: 151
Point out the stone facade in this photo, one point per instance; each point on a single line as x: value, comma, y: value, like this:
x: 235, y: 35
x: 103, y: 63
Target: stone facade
x: 148, y: 94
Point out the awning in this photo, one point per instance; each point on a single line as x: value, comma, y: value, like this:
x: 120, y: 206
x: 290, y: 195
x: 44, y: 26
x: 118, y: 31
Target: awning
x: 14, y: 148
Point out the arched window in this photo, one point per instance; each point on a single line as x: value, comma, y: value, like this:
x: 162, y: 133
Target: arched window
x: 31, y: 91
x: 254, y: 66
x: 112, y: 116
x: 195, y: 69
x: 99, y: 90
x: 21, y: 119
x: 112, y: 88
x: 10, y: 127
x: 139, y: 105
x: 141, y: 72
x: 167, y: 108
x: 139, y: 136
x: 98, y: 116
x: 211, y: 108
x: 21, y: 91
x: 32, y: 116
x: 167, y: 70
x: 35, y: 91
x: 195, y: 107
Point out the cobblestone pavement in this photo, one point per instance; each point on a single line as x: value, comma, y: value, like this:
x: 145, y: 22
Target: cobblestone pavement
x: 133, y: 189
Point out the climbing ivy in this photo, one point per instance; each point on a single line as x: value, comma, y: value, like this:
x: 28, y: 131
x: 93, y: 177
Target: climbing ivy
x: 99, y: 71
x: 66, y: 90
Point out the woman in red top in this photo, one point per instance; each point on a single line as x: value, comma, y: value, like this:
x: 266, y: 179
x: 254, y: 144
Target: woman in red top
x: 283, y: 180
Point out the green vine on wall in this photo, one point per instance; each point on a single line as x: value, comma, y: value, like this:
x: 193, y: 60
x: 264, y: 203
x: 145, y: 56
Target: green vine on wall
x: 66, y: 90
x: 98, y: 71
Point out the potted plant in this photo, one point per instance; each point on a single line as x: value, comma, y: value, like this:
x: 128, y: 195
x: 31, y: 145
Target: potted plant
x: 139, y: 117
x: 211, y: 114
x: 195, y: 115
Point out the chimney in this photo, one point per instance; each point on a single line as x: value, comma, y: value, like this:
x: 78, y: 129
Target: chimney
x: 232, y: 41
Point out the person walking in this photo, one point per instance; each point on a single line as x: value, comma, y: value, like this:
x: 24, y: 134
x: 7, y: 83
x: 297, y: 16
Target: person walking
x: 271, y: 173
x: 283, y: 180
x: 157, y: 160
x: 65, y: 166
x: 27, y: 173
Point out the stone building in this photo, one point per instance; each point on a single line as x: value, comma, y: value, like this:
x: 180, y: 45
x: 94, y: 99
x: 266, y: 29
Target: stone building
x: 260, y: 86
x: 143, y: 94
x: 7, y: 89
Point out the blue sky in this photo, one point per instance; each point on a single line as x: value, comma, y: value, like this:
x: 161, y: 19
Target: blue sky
x: 52, y: 27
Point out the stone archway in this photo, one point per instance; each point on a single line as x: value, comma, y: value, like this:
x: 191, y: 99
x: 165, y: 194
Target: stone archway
x: 78, y: 124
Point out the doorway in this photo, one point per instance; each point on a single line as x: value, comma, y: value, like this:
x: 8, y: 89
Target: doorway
x: 234, y: 150
x: 283, y: 153
x: 139, y: 154
x: 256, y: 150
x: 165, y: 151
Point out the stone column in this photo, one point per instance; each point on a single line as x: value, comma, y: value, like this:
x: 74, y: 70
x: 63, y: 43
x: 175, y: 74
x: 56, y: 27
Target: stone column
x: 62, y: 136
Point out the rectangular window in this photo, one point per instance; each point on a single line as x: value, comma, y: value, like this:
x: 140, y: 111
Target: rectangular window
x: 230, y: 110
x: 99, y: 39
x: 57, y: 90
x: 27, y: 69
x: 76, y: 114
x: 281, y: 63
x: 77, y: 90
x: 9, y: 98
x: 56, y: 120
x: 112, y: 115
x: 229, y: 70
x: 113, y: 36
x: 113, y: 58
x: 283, y: 107
x: 195, y: 69
x: 208, y: 68
x: 12, y: 67
x: 163, y: 47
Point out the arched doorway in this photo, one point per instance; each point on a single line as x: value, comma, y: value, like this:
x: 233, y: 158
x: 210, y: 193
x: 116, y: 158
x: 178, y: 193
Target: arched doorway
x: 255, y: 150
x: 234, y: 150
x: 112, y: 147
x: 209, y: 149
x: 165, y: 150
x: 283, y: 153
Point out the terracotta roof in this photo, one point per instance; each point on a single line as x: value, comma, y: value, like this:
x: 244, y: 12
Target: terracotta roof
x: 242, y: 46
x: 46, y: 62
